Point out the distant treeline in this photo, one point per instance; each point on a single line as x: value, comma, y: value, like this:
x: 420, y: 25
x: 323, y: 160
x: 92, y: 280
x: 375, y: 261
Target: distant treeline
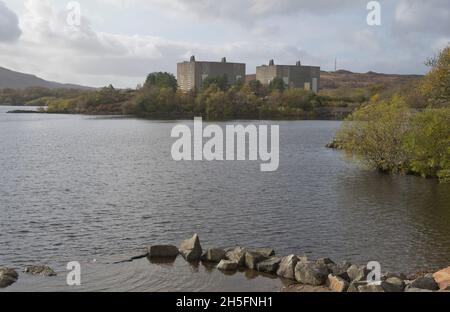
x: 159, y: 97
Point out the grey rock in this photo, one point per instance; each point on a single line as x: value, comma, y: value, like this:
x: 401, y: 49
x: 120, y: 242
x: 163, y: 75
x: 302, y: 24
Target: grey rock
x: 162, y: 251
x: 426, y: 282
x: 340, y: 270
x: 287, y: 267
x: 213, y: 255
x: 266, y: 252
x: 236, y: 254
x: 41, y: 270
x: 393, y: 284
x: 353, y: 287
x: 325, y: 261
x: 371, y: 288
x: 253, y: 258
x: 190, y: 249
x: 311, y: 273
x: 227, y: 265
x: 7, y: 277
x: 357, y: 273
x: 269, y: 266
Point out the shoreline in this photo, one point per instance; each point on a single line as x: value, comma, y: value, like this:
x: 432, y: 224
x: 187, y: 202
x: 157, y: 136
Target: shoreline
x: 294, y: 273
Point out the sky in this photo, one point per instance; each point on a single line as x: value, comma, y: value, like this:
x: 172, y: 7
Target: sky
x: 120, y: 41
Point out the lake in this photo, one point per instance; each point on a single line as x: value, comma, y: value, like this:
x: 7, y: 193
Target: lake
x: 95, y: 189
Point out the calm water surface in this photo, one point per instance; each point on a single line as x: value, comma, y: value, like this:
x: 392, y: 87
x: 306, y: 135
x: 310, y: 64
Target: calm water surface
x: 79, y: 188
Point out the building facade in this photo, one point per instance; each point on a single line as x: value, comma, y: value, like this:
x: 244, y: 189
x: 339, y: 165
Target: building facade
x: 191, y: 74
x: 296, y: 76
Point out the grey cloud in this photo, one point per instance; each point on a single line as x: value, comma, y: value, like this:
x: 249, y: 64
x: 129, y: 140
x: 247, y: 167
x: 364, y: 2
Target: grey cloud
x: 9, y: 24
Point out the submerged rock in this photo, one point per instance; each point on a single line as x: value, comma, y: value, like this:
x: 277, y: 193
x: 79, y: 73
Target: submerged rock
x: 7, y: 277
x: 227, y: 265
x: 236, y: 254
x: 41, y: 270
x: 190, y: 249
x: 442, y: 277
x: 213, y: 255
x: 269, y: 266
x: 287, y: 267
x: 311, y: 273
x: 162, y: 251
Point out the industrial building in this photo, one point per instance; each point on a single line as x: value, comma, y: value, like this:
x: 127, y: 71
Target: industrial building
x: 295, y: 76
x: 191, y: 74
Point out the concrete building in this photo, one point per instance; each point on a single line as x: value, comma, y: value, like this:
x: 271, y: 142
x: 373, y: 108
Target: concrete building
x: 191, y: 74
x: 297, y: 76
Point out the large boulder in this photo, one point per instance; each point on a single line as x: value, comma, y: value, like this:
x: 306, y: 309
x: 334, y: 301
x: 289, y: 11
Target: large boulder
x: 393, y: 284
x: 357, y: 273
x: 162, y: 251
x: 427, y: 282
x: 7, y: 277
x: 190, y: 249
x: 269, y: 266
x: 266, y: 252
x: 227, y: 265
x: 311, y: 273
x: 253, y: 258
x: 337, y: 284
x: 236, y: 254
x: 442, y: 277
x: 214, y: 255
x: 287, y: 267
x: 41, y: 270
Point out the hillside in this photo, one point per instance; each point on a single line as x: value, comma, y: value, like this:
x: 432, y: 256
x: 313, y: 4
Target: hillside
x: 15, y: 80
x: 347, y: 79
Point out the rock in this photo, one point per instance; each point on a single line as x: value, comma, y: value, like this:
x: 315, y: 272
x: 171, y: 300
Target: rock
x: 41, y: 270
x: 7, y: 277
x: 269, y: 266
x: 236, y: 254
x: 190, y: 249
x: 213, y: 255
x: 162, y: 251
x: 336, y: 283
x: 287, y: 267
x: 357, y: 273
x: 325, y: 262
x: 354, y: 286
x: 227, y: 265
x: 266, y: 252
x: 371, y: 288
x: 393, y: 284
x: 311, y: 273
x: 340, y: 270
x: 442, y: 277
x: 411, y: 289
x: 426, y: 282
x: 253, y: 258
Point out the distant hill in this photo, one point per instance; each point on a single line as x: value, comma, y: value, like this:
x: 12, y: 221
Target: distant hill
x: 15, y: 80
x: 348, y: 79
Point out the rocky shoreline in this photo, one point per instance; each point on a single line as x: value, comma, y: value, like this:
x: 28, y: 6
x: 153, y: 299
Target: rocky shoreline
x: 304, y: 275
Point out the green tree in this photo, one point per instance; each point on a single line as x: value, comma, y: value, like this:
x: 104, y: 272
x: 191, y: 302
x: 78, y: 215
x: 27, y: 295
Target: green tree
x: 162, y: 80
x: 436, y: 84
x: 277, y: 84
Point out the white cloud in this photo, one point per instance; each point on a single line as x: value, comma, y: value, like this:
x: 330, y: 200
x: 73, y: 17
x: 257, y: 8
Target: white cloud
x: 9, y: 24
